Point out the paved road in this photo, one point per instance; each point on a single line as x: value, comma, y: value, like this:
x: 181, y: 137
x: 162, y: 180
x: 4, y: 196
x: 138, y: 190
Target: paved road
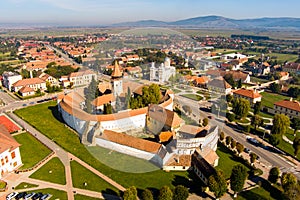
x: 269, y: 159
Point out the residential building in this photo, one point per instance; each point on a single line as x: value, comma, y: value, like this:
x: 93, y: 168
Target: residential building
x: 251, y: 95
x: 9, y: 78
x: 82, y: 77
x: 219, y: 85
x: 49, y: 79
x: 290, y: 108
x: 10, y: 157
x: 291, y: 67
x: 33, y: 83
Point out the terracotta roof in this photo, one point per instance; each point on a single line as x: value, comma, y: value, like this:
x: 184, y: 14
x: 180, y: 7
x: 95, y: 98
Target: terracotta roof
x: 116, y: 72
x: 130, y: 141
x: 7, y: 141
x: 236, y: 75
x: 247, y: 93
x: 208, y: 154
x: 292, y: 65
x: 169, y: 118
x: 165, y: 136
x: 292, y: 105
x: 282, y: 74
x: 200, y: 163
x: 26, y: 89
x: 8, y: 124
x: 220, y: 83
x: 193, y: 131
x: 202, y: 80
x: 28, y: 81
x: 179, y: 160
x: 104, y: 99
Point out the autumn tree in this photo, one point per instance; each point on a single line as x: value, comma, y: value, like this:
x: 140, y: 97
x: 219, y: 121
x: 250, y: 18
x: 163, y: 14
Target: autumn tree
x: 205, y: 122
x: 253, y: 158
x: 228, y: 140
x: 288, y: 180
x: 222, y: 136
x: 130, y: 193
x: 239, y: 148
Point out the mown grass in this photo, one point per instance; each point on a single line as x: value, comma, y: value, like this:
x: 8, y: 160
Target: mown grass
x: 25, y: 185
x: 268, y: 99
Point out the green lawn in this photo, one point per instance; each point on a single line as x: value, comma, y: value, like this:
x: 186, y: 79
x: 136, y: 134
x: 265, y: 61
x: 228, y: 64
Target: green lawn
x: 32, y: 151
x: 268, y: 99
x: 2, y: 184
x: 121, y: 161
x: 81, y: 175
x: 226, y: 160
x: 257, y: 193
x: 56, y: 194
x: 287, y: 147
x: 82, y: 197
x: 45, y: 118
x: 53, y: 171
x: 194, y: 97
x: 257, y: 80
x: 176, y: 90
x: 25, y: 185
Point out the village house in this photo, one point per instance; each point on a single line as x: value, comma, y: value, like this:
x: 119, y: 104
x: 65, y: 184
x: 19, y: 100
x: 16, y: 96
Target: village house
x: 82, y: 77
x: 27, y: 86
x: 291, y: 67
x: 290, y: 108
x: 250, y: 95
x: 10, y: 157
x: 9, y: 78
x: 219, y: 85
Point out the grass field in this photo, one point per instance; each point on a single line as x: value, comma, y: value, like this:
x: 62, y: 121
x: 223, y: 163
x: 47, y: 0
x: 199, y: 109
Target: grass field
x: 53, y: 171
x: 226, y: 160
x: 82, y: 197
x: 32, y: 151
x: 25, y: 185
x: 56, y: 194
x: 121, y: 161
x: 192, y: 96
x: 257, y: 193
x: 81, y: 175
x: 268, y: 99
x: 45, y: 118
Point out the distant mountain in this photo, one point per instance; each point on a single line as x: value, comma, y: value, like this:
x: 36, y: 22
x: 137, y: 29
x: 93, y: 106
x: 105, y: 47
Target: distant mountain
x: 221, y: 22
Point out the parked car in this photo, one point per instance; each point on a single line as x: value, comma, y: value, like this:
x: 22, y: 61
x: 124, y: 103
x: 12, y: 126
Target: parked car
x: 21, y: 195
x: 11, y: 195
x: 24, y: 104
x: 246, y: 150
x: 252, y: 141
x: 45, y: 196
x: 37, y: 196
x: 29, y: 196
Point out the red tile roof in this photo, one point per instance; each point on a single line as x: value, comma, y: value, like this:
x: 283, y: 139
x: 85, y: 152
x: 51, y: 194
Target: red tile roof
x: 26, y: 89
x: 104, y: 99
x: 7, y: 141
x: 28, y: 81
x: 8, y: 124
x: 247, y: 93
x: 116, y: 72
x: 130, y: 141
x: 292, y: 105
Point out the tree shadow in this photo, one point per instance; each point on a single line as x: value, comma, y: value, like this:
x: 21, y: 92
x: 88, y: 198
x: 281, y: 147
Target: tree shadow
x: 110, y: 194
x: 56, y: 113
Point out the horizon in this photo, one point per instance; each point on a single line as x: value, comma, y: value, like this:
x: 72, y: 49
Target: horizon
x: 102, y: 13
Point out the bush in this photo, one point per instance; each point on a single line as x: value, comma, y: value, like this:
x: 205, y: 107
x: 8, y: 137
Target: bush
x: 230, y: 117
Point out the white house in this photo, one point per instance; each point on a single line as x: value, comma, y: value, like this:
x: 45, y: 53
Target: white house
x: 9, y: 78
x: 82, y: 77
x: 163, y: 72
x: 34, y: 83
x: 10, y: 157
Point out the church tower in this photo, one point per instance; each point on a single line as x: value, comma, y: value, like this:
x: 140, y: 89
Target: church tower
x: 116, y: 78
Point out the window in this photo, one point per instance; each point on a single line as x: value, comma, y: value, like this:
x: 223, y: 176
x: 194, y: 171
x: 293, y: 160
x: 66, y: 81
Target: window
x: 2, y: 161
x: 13, y: 155
x: 6, y: 159
x: 15, y: 164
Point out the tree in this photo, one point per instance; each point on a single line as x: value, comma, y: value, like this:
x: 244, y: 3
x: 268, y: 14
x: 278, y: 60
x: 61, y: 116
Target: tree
x: 288, y: 180
x: 165, y: 193
x: 228, y: 140
x: 180, y: 193
x: 295, y: 124
x: 293, y: 92
x: 229, y: 79
x: 253, y: 158
x: 130, y: 193
x: 274, y: 175
x: 257, y: 107
x: 230, y: 116
x: 275, y: 87
x: 217, y: 183
x: 229, y: 98
x: 292, y: 193
x: 233, y: 144
x: 296, y: 146
x: 238, y: 178
x: 146, y: 195
x: 275, y: 139
x: 241, y: 107
x: 222, y: 136
x: 280, y: 124
x: 205, y: 122
x: 239, y: 84
x: 239, y: 148
x: 247, y: 128
x: 256, y: 121
x: 107, y: 108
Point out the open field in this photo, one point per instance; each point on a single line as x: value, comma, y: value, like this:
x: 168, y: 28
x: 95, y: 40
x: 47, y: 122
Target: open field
x: 53, y: 171
x: 268, y: 99
x: 81, y: 175
x: 32, y: 151
x: 46, y: 119
x: 25, y: 185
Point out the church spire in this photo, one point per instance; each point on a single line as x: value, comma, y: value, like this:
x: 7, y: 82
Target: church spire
x: 116, y: 72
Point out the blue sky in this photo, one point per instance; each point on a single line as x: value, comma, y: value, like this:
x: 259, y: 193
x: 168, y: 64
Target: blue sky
x: 101, y: 12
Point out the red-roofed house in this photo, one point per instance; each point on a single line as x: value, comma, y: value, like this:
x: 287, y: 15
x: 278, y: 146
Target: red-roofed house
x: 33, y: 83
x: 251, y: 95
x: 7, y: 123
x: 291, y: 108
x: 10, y: 157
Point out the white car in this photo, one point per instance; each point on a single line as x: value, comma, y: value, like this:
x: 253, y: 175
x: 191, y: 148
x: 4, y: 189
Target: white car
x: 28, y: 196
x: 11, y: 195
